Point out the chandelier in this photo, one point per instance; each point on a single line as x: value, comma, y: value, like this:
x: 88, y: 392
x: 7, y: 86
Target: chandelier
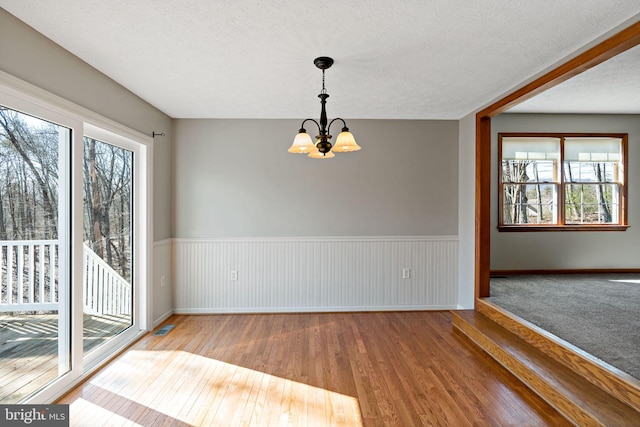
x: 323, y: 149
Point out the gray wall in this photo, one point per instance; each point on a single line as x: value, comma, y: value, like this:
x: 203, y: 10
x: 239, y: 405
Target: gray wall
x: 235, y: 178
x: 466, y: 211
x: 569, y: 249
x: 28, y: 55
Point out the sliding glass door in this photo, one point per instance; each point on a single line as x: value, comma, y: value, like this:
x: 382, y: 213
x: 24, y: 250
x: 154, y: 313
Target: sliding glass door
x: 34, y: 257
x: 74, y: 245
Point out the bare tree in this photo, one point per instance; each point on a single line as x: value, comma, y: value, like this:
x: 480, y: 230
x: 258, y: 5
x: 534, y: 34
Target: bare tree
x: 600, y: 171
x: 571, y: 194
x: 32, y: 157
x: 29, y: 167
x: 108, y: 192
x: 515, y: 171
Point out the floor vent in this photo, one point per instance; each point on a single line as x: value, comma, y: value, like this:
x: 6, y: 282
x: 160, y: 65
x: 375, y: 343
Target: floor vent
x: 164, y: 330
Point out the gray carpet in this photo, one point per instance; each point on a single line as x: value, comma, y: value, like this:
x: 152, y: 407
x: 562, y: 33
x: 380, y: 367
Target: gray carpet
x: 599, y: 313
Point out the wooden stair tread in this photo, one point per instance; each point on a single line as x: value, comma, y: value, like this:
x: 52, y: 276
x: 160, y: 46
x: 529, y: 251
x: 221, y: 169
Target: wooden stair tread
x: 614, y: 381
x: 564, y: 389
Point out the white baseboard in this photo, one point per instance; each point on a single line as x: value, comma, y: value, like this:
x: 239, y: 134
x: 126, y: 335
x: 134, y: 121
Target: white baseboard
x: 260, y: 310
x: 162, y: 318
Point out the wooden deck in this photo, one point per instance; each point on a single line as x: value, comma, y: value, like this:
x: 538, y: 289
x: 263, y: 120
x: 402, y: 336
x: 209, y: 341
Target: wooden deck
x: 29, y: 349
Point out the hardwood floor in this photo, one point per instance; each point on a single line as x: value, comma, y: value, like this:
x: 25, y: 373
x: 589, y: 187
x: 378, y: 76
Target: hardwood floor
x: 344, y: 369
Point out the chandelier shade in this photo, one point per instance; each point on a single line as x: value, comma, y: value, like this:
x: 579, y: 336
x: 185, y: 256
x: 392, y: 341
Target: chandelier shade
x: 345, y: 142
x: 315, y: 154
x: 323, y: 148
x: 302, y: 143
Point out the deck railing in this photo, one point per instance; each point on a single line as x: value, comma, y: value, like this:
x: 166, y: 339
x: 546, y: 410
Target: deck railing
x: 28, y: 272
x: 105, y: 291
x: 29, y: 280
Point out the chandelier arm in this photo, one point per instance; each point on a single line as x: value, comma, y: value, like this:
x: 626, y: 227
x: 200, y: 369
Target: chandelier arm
x: 312, y: 120
x: 344, y: 124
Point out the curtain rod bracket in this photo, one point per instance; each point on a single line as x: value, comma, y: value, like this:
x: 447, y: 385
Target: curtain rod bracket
x: 154, y: 134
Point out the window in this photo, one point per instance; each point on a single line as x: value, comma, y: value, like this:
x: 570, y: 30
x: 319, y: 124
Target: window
x: 562, y: 181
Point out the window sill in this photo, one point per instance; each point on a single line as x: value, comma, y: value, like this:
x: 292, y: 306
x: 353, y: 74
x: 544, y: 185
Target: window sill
x: 525, y: 228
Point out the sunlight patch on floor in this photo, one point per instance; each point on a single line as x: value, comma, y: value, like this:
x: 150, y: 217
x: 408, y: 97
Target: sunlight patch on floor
x: 626, y: 281
x: 188, y: 389
x: 86, y: 410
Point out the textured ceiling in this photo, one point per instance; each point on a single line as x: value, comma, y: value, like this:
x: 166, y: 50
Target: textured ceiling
x: 411, y: 59
x: 612, y: 87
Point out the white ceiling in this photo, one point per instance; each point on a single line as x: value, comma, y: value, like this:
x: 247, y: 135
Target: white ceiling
x: 409, y: 59
x: 612, y: 87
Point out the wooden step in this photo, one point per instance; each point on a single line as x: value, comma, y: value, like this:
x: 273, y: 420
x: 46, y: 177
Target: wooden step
x: 615, y: 382
x: 579, y: 400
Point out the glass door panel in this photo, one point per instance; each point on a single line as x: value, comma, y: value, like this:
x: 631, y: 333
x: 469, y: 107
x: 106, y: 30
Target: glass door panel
x: 108, y: 242
x: 34, y: 297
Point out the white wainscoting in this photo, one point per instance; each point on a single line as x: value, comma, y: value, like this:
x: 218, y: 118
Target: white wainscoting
x: 314, y: 274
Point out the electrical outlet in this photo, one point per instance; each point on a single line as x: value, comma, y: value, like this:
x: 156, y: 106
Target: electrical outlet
x: 234, y: 274
x: 406, y: 273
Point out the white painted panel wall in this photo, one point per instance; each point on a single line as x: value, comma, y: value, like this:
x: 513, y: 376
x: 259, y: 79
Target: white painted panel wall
x: 315, y: 274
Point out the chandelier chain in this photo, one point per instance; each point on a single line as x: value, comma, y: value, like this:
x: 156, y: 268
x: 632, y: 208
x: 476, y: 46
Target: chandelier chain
x: 323, y: 88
